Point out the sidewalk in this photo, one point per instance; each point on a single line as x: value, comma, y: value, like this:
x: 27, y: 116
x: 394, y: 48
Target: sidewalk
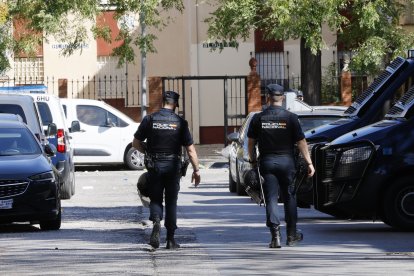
x: 210, y: 155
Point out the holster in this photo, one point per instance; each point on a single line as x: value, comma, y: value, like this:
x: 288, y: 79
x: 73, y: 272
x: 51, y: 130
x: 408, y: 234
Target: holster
x: 184, y: 166
x: 149, y: 162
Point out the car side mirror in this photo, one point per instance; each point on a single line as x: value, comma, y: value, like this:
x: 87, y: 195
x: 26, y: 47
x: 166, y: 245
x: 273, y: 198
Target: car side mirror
x: 50, y: 150
x: 233, y: 137
x: 51, y: 129
x: 75, y: 126
x: 109, y: 123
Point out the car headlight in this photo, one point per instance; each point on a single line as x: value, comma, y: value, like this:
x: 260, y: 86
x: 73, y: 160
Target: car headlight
x: 356, y: 155
x: 43, y: 176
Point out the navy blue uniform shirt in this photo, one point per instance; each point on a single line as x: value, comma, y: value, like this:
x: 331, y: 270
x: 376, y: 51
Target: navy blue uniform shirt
x: 276, y: 130
x: 144, y: 129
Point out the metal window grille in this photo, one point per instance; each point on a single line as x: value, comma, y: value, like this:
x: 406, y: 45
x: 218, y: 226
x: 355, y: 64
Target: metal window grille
x: 28, y: 70
x: 111, y: 78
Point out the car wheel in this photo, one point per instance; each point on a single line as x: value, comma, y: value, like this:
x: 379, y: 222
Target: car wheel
x: 73, y: 183
x: 241, y: 191
x: 134, y: 159
x: 232, y: 183
x: 398, y: 204
x: 66, y: 190
x: 53, y: 224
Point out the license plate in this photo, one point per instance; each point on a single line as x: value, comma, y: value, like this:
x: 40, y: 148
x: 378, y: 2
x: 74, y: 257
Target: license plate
x: 6, y: 204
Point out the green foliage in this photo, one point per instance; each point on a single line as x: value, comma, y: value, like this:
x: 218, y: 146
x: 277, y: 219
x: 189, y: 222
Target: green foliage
x: 330, y: 86
x: 373, y: 34
x: 66, y: 21
x: 152, y: 14
x: 278, y: 19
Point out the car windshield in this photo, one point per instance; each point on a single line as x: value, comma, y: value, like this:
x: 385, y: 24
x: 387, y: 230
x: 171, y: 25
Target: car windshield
x: 17, y: 141
x: 310, y: 122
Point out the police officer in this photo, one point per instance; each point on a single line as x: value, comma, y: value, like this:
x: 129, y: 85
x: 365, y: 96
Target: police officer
x: 276, y: 131
x: 165, y: 133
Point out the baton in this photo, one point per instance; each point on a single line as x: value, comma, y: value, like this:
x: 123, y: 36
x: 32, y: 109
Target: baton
x: 261, y: 186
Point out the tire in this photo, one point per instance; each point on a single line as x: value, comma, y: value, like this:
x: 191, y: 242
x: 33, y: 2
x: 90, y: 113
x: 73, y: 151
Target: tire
x: 73, y: 183
x: 134, y: 159
x: 398, y: 204
x: 53, y: 224
x: 241, y: 191
x: 232, y: 183
x: 66, y: 190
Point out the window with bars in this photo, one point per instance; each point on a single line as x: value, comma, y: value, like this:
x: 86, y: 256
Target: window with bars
x: 111, y: 78
x: 28, y: 70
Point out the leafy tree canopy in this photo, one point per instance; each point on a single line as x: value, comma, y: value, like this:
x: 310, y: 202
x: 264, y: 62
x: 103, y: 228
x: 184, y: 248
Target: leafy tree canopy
x: 369, y: 29
x: 65, y: 21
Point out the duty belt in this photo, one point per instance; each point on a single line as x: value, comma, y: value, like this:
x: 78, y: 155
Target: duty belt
x: 164, y: 155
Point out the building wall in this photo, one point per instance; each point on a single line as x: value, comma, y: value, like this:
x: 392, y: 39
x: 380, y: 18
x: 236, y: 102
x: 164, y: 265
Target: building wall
x: 183, y: 49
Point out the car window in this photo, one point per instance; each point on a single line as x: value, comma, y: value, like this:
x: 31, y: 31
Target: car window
x: 308, y: 123
x: 45, y: 113
x: 97, y: 116
x: 13, y: 109
x: 17, y: 142
x: 245, y: 127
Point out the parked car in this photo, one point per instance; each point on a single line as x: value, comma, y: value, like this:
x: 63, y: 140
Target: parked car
x: 24, y: 106
x: 238, y: 149
x: 29, y: 189
x: 318, y: 117
x: 9, y: 116
x: 101, y: 134
x: 51, y: 113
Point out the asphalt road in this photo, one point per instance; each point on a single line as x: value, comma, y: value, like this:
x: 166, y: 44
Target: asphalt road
x: 105, y: 232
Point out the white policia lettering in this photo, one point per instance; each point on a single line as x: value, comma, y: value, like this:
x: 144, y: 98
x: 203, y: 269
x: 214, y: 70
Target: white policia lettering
x: 164, y: 126
x: 276, y: 125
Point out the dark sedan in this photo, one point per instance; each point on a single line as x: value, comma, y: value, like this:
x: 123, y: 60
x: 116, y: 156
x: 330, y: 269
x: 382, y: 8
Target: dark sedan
x: 238, y: 153
x: 29, y: 189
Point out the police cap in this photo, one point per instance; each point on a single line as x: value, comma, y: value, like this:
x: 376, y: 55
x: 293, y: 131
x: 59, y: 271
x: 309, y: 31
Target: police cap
x: 171, y: 96
x: 274, y: 90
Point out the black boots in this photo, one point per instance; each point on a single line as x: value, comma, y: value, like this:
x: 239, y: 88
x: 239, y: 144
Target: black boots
x: 275, y: 242
x: 155, y: 235
x: 294, y: 237
x: 171, y: 243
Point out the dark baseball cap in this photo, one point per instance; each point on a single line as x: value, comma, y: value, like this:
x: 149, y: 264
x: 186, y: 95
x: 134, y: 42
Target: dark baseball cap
x: 275, y: 89
x: 171, y: 95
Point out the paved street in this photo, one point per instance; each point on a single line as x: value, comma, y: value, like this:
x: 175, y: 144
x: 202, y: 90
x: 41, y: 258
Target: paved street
x: 105, y: 231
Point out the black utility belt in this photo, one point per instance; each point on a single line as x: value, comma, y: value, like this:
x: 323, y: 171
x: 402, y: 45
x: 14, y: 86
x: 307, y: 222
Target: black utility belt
x: 271, y: 154
x: 164, y: 156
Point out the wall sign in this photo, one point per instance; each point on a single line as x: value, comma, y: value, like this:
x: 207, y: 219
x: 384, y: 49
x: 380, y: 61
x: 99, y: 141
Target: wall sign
x: 221, y: 45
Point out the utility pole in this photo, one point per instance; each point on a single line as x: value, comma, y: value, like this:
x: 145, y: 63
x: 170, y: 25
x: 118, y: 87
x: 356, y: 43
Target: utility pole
x: 143, y: 62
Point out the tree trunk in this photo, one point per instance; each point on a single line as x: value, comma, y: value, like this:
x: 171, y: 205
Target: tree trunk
x: 311, y: 74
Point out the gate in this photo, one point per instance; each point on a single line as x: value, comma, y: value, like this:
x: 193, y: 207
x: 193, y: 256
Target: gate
x: 234, y: 98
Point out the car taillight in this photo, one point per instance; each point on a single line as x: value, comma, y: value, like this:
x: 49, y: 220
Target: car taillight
x: 61, y: 147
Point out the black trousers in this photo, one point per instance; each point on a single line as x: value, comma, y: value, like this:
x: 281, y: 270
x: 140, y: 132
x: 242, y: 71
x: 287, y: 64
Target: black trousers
x: 165, y: 179
x: 278, y: 172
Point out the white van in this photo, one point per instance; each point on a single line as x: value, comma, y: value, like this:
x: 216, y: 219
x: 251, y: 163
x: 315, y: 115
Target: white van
x: 101, y: 134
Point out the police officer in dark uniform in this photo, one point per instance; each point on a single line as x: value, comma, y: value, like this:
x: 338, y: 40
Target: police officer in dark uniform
x: 165, y: 134
x: 276, y: 131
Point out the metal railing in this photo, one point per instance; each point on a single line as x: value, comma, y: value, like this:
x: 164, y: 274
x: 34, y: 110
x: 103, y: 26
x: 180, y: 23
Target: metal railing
x: 97, y: 88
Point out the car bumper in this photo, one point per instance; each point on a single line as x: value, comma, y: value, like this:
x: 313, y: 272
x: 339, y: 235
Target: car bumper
x: 39, y: 202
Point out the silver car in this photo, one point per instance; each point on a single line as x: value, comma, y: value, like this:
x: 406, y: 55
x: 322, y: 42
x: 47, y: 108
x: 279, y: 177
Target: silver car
x: 238, y: 149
